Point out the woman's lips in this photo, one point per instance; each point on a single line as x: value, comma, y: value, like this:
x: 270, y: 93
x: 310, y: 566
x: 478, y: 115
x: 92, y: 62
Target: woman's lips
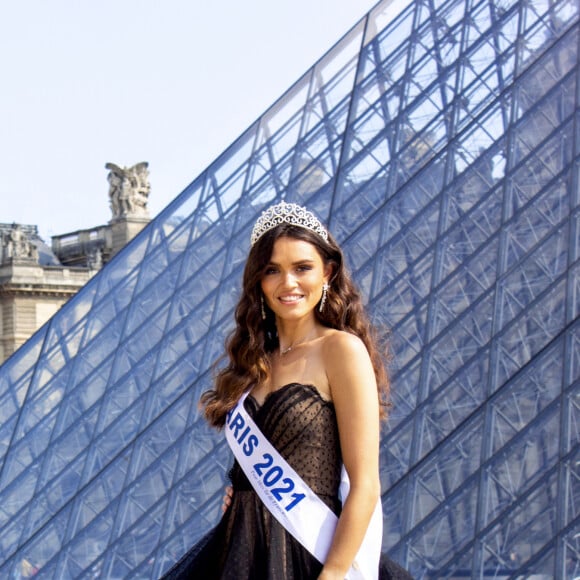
x: 293, y: 299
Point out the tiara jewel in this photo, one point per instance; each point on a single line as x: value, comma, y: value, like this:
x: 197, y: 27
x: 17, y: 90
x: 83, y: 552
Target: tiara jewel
x: 287, y: 213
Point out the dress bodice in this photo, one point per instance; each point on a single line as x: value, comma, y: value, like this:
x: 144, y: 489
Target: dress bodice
x: 302, y: 426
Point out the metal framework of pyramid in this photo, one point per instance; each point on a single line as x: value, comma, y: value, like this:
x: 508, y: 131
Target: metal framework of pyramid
x: 440, y: 141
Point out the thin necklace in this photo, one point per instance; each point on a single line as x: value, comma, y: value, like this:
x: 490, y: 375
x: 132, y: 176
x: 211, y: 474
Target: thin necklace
x: 285, y: 351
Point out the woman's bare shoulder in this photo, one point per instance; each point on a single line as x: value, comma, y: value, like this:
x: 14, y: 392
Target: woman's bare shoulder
x: 337, y: 342
x: 343, y: 352
x: 348, y: 368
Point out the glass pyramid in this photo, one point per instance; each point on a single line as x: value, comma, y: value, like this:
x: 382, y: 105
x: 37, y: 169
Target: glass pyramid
x: 440, y: 140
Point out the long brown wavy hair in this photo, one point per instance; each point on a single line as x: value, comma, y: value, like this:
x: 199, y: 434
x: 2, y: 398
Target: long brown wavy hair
x: 253, y: 339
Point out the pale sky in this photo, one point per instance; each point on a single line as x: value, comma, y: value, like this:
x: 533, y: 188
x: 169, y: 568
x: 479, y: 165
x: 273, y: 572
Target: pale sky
x: 170, y: 82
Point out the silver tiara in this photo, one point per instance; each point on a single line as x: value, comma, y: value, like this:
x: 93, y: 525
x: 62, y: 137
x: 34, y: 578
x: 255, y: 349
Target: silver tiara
x: 287, y: 213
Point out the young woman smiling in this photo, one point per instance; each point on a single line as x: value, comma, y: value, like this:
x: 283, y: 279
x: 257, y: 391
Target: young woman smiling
x: 301, y: 399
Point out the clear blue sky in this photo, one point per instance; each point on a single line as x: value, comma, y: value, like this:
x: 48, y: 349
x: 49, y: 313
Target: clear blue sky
x: 171, y: 82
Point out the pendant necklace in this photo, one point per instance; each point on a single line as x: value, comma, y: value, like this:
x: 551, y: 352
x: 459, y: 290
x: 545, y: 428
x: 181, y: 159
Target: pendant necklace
x: 285, y: 351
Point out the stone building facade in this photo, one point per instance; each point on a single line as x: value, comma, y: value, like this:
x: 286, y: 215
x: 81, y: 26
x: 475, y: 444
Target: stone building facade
x: 37, y: 279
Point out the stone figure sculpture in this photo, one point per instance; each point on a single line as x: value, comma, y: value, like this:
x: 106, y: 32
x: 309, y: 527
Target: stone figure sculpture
x: 128, y: 190
x: 16, y: 246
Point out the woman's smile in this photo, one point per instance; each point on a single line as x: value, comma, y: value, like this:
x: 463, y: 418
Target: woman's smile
x: 291, y: 298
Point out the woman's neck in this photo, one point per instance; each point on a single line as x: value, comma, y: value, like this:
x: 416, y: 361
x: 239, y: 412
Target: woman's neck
x: 290, y: 336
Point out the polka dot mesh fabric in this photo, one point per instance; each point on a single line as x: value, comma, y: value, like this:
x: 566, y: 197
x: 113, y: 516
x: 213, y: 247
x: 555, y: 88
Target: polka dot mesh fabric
x: 248, y: 543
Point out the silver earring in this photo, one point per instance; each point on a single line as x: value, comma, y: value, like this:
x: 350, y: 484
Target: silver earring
x: 262, y: 309
x: 325, y: 288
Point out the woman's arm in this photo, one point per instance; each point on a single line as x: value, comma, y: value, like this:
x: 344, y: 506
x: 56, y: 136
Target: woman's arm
x: 354, y: 393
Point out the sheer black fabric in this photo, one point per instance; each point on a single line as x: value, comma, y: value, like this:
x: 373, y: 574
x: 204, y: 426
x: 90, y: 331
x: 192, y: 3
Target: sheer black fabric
x: 248, y: 543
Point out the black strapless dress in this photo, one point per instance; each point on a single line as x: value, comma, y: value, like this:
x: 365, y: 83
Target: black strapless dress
x: 250, y: 544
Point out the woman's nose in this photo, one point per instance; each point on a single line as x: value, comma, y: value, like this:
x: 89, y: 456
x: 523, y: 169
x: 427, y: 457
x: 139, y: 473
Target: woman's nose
x: 289, y: 280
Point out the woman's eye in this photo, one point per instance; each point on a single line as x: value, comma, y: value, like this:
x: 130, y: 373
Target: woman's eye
x: 304, y: 268
x: 270, y: 271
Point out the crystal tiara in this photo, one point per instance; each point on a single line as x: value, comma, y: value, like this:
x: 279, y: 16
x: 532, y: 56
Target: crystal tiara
x: 287, y: 213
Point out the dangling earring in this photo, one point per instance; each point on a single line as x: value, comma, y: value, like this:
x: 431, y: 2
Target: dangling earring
x: 262, y: 309
x: 325, y: 288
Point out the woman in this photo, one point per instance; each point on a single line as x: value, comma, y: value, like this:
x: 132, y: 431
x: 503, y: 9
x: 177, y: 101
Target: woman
x: 305, y: 377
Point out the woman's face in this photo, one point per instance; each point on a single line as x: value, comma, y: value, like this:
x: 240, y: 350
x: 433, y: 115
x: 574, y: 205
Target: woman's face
x: 293, y: 280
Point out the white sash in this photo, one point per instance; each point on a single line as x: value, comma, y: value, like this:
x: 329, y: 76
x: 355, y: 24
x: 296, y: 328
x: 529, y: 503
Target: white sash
x: 290, y: 499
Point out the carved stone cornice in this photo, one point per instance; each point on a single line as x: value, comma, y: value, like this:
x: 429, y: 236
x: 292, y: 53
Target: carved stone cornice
x: 15, y: 290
